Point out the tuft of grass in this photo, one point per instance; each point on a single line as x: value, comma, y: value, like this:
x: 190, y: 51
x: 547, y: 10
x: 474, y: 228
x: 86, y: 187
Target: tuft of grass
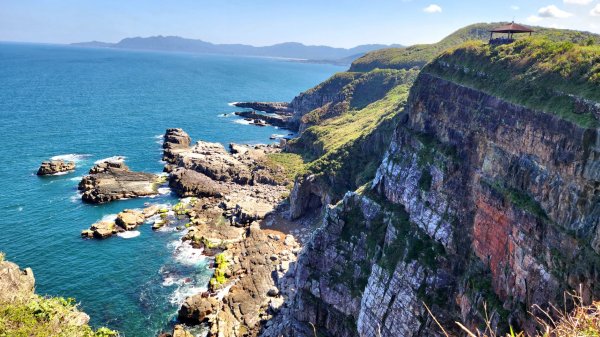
x: 582, y: 321
x: 45, y: 317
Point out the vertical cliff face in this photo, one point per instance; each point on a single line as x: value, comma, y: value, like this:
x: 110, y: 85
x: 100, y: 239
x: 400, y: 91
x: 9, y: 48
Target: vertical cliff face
x: 477, y: 200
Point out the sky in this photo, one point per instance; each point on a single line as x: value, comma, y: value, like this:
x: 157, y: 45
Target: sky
x: 338, y: 23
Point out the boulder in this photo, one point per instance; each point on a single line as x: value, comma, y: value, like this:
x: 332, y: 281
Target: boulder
x: 55, y: 166
x: 150, y: 211
x: 129, y: 219
x: 188, y: 183
x: 109, y: 165
x: 103, y: 229
x: 180, y: 331
x: 197, y: 309
x: 14, y: 282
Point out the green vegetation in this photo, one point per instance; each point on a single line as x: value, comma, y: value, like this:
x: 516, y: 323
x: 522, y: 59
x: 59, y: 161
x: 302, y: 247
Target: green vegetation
x: 518, y: 198
x: 290, y: 164
x: 554, y: 77
x: 220, y: 270
x: 45, y: 317
x: 345, y: 149
x: 419, y: 55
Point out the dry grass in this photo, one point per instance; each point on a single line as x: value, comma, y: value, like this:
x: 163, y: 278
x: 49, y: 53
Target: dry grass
x: 582, y: 321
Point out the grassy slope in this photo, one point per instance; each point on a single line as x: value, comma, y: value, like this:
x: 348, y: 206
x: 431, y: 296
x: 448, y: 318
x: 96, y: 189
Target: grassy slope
x: 419, y: 55
x: 534, y: 72
x: 33, y: 315
x: 334, y: 148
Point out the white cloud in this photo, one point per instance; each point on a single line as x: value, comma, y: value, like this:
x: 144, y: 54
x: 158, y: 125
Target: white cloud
x: 515, y: 7
x: 534, y: 18
x: 595, y: 11
x: 432, y: 9
x: 553, y: 12
x: 577, y: 2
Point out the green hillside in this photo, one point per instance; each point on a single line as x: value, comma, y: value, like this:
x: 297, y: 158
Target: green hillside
x: 419, y: 55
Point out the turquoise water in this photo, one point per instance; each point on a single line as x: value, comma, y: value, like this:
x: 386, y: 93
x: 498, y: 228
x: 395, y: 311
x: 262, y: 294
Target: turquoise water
x: 90, y: 104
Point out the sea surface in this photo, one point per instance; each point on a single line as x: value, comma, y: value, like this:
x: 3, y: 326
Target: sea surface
x: 88, y: 104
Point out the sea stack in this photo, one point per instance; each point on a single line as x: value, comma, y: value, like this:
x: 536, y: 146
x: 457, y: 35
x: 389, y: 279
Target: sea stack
x: 52, y: 167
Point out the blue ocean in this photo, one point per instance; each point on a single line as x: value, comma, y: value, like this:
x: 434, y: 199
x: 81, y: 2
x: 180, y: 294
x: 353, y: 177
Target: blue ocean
x: 87, y: 104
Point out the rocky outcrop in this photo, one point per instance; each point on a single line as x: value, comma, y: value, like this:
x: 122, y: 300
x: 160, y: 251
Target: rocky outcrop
x: 250, y: 294
x: 187, y: 183
x: 174, y: 141
x: 277, y: 120
x: 113, y: 181
x: 14, y: 282
x: 127, y: 220
x: 117, y: 164
x: 270, y: 107
x: 53, y: 167
x: 307, y: 194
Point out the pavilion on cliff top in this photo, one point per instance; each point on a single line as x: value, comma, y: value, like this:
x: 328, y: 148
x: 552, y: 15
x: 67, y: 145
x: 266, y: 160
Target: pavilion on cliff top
x: 510, y: 29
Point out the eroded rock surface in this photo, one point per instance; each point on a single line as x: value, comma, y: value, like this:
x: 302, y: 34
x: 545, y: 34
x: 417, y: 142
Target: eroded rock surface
x: 53, y: 167
x: 112, y: 180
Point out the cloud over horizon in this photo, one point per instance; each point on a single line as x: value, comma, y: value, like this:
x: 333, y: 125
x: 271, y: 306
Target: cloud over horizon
x: 553, y: 12
x: 433, y: 8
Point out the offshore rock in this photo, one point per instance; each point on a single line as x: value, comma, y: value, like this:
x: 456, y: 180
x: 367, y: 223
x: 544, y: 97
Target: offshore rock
x: 113, y: 183
x: 55, y: 167
x: 129, y: 219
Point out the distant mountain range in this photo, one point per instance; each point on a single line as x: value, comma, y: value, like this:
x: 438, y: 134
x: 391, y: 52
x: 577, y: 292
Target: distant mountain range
x: 291, y: 50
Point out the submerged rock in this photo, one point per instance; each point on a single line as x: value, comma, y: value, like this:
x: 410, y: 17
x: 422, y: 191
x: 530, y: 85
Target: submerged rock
x: 55, y: 166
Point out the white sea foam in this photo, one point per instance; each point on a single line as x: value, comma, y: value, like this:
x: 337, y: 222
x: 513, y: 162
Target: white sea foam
x: 76, y: 197
x: 60, y: 173
x: 164, y: 190
x: 75, y: 157
x: 78, y: 178
x: 20, y: 209
x: 184, y: 253
x: 242, y: 121
x: 232, y: 103
x: 129, y: 234
x: 184, y: 291
x: 158, y: 136
x: 113, y: 159
x: 109, y: 217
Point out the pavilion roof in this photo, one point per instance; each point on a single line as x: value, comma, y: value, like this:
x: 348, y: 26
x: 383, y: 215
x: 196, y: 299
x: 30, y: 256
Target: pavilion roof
x: 512, y: 28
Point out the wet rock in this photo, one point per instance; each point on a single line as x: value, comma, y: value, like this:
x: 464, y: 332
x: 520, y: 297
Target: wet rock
x: 129, y: 219
x: 197, y: 309
x: 103, y: 229
x: 55, y: 167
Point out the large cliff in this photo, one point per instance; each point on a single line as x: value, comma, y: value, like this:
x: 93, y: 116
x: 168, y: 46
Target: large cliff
x: 487, y: 196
